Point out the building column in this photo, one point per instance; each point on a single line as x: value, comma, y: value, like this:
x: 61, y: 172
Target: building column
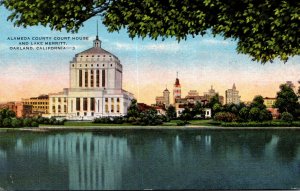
x: 81, y: 105
x: 88, y: 104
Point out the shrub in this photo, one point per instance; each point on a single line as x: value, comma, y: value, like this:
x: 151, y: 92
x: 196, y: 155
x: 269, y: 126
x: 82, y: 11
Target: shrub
x: 287, y: 117
x: 254, y: 114
x: 34, y: 124
x: 6, y: 122
x: 27, y: 122
x: 182, y: 123
x: 225, y: 117
x: 16, y: 122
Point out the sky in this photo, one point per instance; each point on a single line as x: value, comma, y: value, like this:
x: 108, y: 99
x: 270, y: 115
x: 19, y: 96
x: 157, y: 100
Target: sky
x: 149, y: 66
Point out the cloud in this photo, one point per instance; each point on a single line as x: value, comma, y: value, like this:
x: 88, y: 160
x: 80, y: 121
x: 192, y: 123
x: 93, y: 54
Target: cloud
x: 216, y: 42
x: 153, y: 47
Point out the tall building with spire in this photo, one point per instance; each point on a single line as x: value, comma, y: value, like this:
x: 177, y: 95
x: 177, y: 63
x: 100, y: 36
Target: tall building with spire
x: 176, y: 90
x: 232, y: 95
x: 95, y: 87
x: 163, y: 100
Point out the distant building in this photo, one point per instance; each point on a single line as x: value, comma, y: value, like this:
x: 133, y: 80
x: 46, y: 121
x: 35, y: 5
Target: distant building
x: 211, y: 93
x: 40, y: 104
x: 269, y: 102
x: 20, y: 109
x: 275, y: 112
x: 232, y: 95
x: 163, y: 100
x: 176, y: 90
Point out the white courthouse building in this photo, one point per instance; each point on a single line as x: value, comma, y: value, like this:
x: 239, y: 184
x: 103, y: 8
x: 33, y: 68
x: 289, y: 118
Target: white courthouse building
x: 95, y: 87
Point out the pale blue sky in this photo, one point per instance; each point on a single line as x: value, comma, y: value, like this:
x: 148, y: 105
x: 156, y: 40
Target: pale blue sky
x: 148, y: 65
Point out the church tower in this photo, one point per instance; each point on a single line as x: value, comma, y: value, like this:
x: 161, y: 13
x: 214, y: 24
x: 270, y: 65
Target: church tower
x: 176, y: 89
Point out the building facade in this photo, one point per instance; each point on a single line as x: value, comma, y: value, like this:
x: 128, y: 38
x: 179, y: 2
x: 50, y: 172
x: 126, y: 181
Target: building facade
x: 269, y: 102
x: 20, y: 109
x: 163, y: 100
x: 232, y: 95
x: 95, y: 87
x: 40, y: 104
x: 211, y: 93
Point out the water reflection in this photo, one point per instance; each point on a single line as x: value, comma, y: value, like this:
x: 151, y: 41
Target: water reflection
x: 153, y: 160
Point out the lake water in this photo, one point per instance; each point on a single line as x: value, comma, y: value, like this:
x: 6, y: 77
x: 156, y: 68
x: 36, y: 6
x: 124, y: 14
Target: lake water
x: 150, y: 160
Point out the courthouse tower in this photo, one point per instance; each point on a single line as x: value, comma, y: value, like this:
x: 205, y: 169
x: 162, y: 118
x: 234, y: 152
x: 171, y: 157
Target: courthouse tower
x: 95, y: 87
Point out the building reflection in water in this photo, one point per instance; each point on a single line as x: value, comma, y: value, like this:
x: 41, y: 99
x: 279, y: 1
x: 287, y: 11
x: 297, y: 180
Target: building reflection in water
x: 89, y: 161
x: 93, y: 162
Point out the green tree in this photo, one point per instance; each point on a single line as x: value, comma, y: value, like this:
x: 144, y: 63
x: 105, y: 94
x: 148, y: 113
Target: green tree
x: 16, y: 123
x: 198, y: 110
x: 287, y: 100
x: 186, y: 114
x: 254, y: 114
x: 171, y: 112
x: 286, y: 116
x: 263, y: 29
x: 258, y: 102
x: 244, y: 113
x: 133, y: 110
x: 6, y: 122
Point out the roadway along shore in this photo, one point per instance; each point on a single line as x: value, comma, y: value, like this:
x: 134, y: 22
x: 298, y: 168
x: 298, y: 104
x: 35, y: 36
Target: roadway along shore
x: 121, y: 128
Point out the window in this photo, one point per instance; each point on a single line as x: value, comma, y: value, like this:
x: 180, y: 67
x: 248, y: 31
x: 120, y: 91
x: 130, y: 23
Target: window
x: 92, y: 78
x: 84, y: 104
x: 77, y: 113
x: 86, y: 78
x: 92, y: 104
x: 106, y: 108
x: 84, y: 113
x: 53, y: 99
x: 118, y: 108
x: 92, y: 113
x: 103, y: 78
x: 59, y: 109
x: 59, y: 99
x: 72, y: 65
x: 65, y: 109
x: 80, y: 78
x: 112, y: 108
x: 106, y: 99
x: 78, y: 104
x: 65, y: 99
x: 97, y: 78
x: 118, y: 100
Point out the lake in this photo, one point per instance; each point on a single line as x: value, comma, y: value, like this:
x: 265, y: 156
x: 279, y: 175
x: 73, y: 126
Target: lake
x: 150, y: 160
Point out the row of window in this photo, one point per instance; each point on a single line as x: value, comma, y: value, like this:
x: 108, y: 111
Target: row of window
x: 59, y: 109
x: 40, y: 107
x: 92, y: 65
x: 92, y: 84
x: 112, y: 99
x: 59, y: 99
x: 36, y: 103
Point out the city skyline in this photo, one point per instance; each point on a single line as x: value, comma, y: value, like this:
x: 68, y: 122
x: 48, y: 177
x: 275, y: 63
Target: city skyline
x: 201, y: 62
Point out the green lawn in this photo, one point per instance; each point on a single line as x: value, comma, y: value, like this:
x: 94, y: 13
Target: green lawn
x: 88, y: 123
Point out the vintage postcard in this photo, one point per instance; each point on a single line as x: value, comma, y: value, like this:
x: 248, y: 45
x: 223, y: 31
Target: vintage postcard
x: 101, y: 95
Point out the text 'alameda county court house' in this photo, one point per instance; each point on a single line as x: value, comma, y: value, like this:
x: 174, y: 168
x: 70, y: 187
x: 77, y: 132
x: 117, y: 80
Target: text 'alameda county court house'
x: 95, y: 87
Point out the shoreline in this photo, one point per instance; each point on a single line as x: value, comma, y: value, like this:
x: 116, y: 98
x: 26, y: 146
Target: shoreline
x: 45, y: 129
